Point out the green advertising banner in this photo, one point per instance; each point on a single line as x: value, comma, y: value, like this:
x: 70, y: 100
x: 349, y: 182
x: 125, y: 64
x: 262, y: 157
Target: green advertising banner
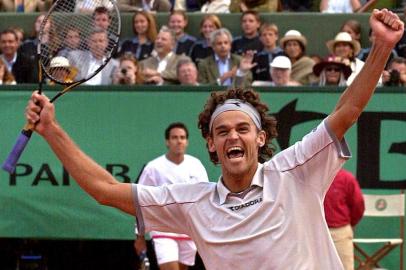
x: 122, y: 130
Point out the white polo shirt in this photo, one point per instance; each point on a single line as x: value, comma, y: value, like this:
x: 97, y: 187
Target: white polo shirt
x: 161, y: 171
x: 278, y: 223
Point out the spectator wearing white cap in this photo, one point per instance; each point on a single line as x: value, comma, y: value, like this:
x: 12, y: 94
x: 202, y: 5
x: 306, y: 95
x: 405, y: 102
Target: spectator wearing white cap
x: 61, y: 70
x: 294, y: 45
x: 280, y: 69
x: 344, y: 46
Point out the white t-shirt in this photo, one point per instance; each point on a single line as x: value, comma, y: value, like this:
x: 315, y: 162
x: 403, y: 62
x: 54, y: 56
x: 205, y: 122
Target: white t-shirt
x: 278, y: 223
x: 339, y: 6
x: 162, y: 171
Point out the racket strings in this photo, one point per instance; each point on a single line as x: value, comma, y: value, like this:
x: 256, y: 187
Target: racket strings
x: 74, y: 46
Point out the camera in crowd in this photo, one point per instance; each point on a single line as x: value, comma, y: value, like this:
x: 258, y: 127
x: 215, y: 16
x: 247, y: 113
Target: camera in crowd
x: 394, y: 78
x: 124, y: 77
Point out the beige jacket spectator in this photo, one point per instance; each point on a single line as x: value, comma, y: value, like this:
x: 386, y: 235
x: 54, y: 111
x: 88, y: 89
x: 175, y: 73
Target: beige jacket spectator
x: 294, y: 45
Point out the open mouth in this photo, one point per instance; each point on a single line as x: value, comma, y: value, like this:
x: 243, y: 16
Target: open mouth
x: 235, y: 152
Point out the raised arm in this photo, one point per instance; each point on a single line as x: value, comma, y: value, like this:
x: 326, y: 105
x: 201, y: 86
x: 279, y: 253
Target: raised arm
x: 387, y: 29
x: 91, y: 177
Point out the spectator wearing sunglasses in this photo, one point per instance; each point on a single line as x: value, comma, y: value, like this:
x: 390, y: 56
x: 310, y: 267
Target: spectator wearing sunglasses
x: 333, y: 70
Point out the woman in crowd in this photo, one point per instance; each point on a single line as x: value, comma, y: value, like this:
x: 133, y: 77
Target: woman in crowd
x: 145, y: 32
x: 345, y: 47
x: 127, y: 73
x: 201, y: 49
x: 6, y: 77
x: 352, y: 27
x: 294, y: 45
x: 333, y: 70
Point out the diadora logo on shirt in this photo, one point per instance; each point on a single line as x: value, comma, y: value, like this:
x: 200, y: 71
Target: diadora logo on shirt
x: 244, y: 205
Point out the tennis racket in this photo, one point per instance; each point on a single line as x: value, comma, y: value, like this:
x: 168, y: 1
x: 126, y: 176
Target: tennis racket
x: 62, y: 61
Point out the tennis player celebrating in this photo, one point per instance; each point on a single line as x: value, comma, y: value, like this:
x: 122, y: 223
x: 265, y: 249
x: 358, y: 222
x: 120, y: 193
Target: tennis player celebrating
x: 258, y: 215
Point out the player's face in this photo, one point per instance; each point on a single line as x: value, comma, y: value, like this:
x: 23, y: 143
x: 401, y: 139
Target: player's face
x: 140, y: 24
x: 249, y: 24
x: 236, y: 141
x: 222, y: 46
x: 269, y: 38
x: 177, y: 142
x: 177, y: 23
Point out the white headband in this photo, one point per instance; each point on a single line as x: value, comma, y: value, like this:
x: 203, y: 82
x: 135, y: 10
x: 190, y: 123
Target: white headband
x: 237, y: 105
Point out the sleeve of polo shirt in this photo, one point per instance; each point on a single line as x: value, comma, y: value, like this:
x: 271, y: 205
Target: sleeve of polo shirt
x: 315, y: 159
x: 163, y: 208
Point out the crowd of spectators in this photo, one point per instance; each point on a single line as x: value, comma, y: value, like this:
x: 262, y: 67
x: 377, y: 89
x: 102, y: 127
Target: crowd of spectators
x: 213, y: 56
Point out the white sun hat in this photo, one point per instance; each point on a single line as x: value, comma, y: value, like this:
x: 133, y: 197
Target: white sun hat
x: 281, y: 62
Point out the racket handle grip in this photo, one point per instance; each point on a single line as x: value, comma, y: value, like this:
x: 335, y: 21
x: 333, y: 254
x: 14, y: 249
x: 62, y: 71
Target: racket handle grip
x: 10, y: 164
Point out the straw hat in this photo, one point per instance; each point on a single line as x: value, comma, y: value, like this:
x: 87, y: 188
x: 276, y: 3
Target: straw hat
x: 343, y: 37
x: 281, y: 62
x: 333, y: 60
x: 293, y: 35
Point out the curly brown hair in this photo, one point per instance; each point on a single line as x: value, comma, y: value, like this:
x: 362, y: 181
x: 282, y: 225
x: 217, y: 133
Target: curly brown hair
x: 268, y: 122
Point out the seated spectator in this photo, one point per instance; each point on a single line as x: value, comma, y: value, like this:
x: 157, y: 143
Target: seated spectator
x: 345, y: 47
x: 257, y: 5
x: 268, y: 35
x: 71, y: 40
x: 160, y: 67
x: 101, y: 18
x: 297, y: 5
x: 202, y: 49
x: 18, y: 64
x: 341, y: 6
x: 352, y: 27
x: 216, y: 6
x: 281, y: 68
x: 6, y: 77
x: 186, y: 5
x: 221, y: 68
x: 250, y: 23
x: 20, y: 34
x: 363, y: 54
x: 61, y: 70
x: 145, y: 32
x: 25, y: 6
x: 333, y: 70
x: 145, y: 5
x: 177, y: 22
x: 29, y: 46
x: 186, y: 71
x: 128, y: 72
x: 97, y: 43
x: 395, y: 74
x: 294, y: 46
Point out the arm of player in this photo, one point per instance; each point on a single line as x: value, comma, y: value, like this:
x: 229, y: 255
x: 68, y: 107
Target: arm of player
x: 91, y: 177
x: 387, y: 29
